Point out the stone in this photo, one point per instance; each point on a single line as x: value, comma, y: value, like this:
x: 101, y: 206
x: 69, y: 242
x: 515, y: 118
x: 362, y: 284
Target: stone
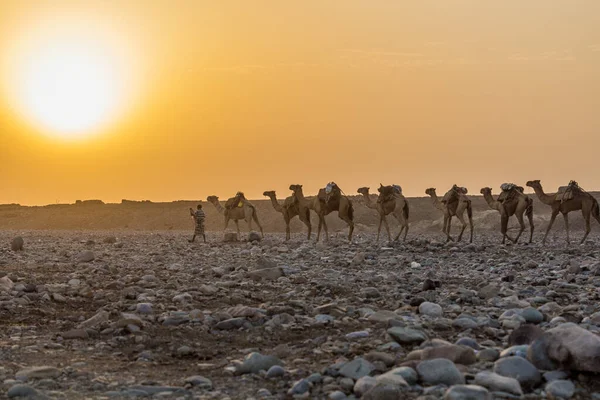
x: 337, y: 395
x: 466, y: 341
x: 98, y: 319
x: 143, y: 308
x: 457, y: 354
x: 75, y: 334
x: 430, y: 309
x: 439, y: 371
x: 364, y: 384
x: 267, y: 274
x: 560, y: 389
x: 357, y: 368
x: 231, y: 323
x: 519, y: 351
x: 6, y: 284
x: 467, y: 392
x: 525, y: 334
x: 275, y: 371
x: 254, y: 237
x: 555, y: 375
x: 300, y: 387
x: 110, y: 240
x: 384, y: 392
x: 488, y: 355
x: 42, y: 372
x: 489, y: 291
x: 404, y: 335
x: 383, y: 316
x: 256, y: 362
x: 566, y: 347
x: 357, y: 335
x: 230, y: 237
x: 391, y: 379
x: 409, y: 374
x: 532, y: 316
x: 17, y: 244
x: 85, y: 257
x: 498, y: 383
x: 464, y: 323
x: 520, y: 369
x: 200, y: 382
x: 26, y: 392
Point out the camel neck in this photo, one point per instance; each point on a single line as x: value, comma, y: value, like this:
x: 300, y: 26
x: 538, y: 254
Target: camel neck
x: 436, y: 202
x: 368, y: 201
x: 544, y: 198
x: 275, y: 203
x: 491, y: 202
x: 219, y: 207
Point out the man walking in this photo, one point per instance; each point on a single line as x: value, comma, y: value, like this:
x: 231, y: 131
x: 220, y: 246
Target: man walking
x: 199, y: 218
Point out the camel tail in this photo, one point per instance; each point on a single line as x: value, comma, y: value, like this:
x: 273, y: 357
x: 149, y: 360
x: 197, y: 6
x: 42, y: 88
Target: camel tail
x: 351, y: 212
x: 470, y: 210
x: 405, y: 210
x: 529, y: 209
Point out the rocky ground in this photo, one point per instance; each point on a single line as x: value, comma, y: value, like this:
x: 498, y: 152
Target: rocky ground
x: 90, y: 315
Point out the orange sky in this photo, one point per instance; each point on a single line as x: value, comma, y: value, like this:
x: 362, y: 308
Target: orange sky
x: 253, y: 96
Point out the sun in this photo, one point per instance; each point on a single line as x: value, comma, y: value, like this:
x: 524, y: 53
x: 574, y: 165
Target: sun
x: 71, y: 82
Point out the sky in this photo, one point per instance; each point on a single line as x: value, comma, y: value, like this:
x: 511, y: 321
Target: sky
x: 216, y: 97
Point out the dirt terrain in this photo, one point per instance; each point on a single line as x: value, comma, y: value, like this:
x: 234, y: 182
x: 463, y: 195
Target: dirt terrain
x: 111, y: 312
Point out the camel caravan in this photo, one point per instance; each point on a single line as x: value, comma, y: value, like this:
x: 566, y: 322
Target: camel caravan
x: 512, y: 201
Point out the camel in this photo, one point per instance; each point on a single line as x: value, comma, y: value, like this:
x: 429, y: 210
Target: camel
x: 395, y: 205
x: 581, y: 200
x: 289, y: 210
x: 455, y: 207
x: 247, y: 212
x: 516, y: 203
x: 329, y: 199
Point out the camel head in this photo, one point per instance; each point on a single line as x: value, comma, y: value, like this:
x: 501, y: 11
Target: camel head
x: 269, y: 193
x: 295, y: 188
x: 430, y: 192
x: 486, y: 191
x: 212, y: 199
x: 363, y: 190
x: 534, y: 184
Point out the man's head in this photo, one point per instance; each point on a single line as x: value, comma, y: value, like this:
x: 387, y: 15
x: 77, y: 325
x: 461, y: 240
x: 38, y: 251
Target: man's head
x: 199, y: 207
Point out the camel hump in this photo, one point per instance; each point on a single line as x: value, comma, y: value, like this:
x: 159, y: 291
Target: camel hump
x: 568, y: 192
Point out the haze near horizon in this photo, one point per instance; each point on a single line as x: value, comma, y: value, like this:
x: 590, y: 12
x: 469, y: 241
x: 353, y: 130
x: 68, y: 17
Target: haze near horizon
x: 142, y: 100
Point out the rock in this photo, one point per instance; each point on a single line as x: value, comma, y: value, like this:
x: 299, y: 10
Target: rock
x: 357, y: 335
x: 519, y: 351
x: 385, y: 358
x: 498, y: 383
x: 337, y: 395
x: 98, y: 319
x: 357, y: 368
x: 364, y: 384
x: 275, y: 371
x: 256, y: 362
x: 110, y: 240
x: 555, y: 375
x: 430, y: 309
x: 184, y: 351
x: 454, y: 353
x: 231, y: 323
x: 267, y: 274
x: 439, y: 371
x: 489, y: 291
x: 566, y: 347
x: 429, y: 284
x: 300, y: 387
x: 75, y: 334
x: 370, y: 292
x: 560, y: 389
x: 254, y: 237
x: 26, y: 392
x: 383, y: 316
x: 525, y: 334
x: 6, y: 285
x: 42, y: 372
x: 143, y: 308
x: 464, y: 323
x: 532, y: 315
x: 384, y: 392
x: 17, y: 244
x: 404, y: 335
x: 85, y: 257
x: 409, y: 374
x: 391, y: 379
x: 467, y: 392
x: 488, y: 355
x: 520, y: 369
x: 182, y: 298
x: 230, y: 237
x: 199, y: 382
x: 465, y: 341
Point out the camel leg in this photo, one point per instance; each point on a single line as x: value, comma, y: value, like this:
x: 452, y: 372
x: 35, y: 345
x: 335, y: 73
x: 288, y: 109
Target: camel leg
x: 237, y: 225
x: 325, y: 229
x: 255, y: 218
x: 522, y: 224
x: 504, y: 226
x: 448, y: 229
x: 566, y: 218
x: 464, y: 226
x: 531, y: 228
x: 552, y: 218
x: 586, y: 217
x: 351, y: 226
x: 405, y: 229
x: 387, y: 227
x: 287, y: 229
x: 321, y: 224
x: 379, y: 226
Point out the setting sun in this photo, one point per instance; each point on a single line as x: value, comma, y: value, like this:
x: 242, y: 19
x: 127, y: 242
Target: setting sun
x: 68, y: 82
